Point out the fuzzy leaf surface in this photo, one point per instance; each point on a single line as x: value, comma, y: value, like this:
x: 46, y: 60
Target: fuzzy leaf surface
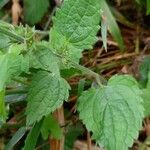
x: 75, y: 27
x: 113, y: 113
x: 46, y: 94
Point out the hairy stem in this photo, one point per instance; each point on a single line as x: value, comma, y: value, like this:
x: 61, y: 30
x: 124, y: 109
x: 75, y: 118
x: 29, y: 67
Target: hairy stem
x: 89, y: 73
x: 98, y: 78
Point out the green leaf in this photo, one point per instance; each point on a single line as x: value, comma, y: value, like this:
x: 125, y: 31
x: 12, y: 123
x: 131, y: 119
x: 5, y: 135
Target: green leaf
x: 4, y: 42
x: 146, y: 101
x: 126, y: 80
x: 115, y: 113
x: 46, y: 94
x: 144, y: 70
x: 3, y: 71
x: 81, y: 86
x: 148, y: 7
x: 34, y: 10
x: 146, y: 97
x: 111, y: 23
x: 32, y: 137
x: 51, y: 127
x: 3, y: 114
x: 16, y: 48
x: 42, y: 57
x: 16, y: 137
x: 11, y: 65
x: 148, y: 82
x: 75, y: 27
x: 121, y: 18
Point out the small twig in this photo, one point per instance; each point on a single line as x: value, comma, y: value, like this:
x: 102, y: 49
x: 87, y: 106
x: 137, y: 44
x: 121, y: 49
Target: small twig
x: 86, y: 71
x: 97, y: 55
x: 16, y: 12
x: 109, y: 42
x: 126, y: 55
x: 42, y: 145
x: 42, y: 32
x: 137, y: 40
x: 99, y: 79
x: 50, y: 19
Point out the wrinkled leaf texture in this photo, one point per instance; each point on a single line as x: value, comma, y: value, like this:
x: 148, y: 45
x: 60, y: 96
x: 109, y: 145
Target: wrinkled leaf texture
x: 113, y: 113
x: 75, y: 27
x: 47, y: 92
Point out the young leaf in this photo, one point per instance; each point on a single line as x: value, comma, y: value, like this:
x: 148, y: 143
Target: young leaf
x: 46, y: 94
x: 3, y: 114
x: 16, y: 137
x: 111, y: 23
x: 51, y: 127
x: 34, y: 10
x: 32, y: 137
x: 75, y: 27
x: 44, y: 58
x: 115, y: 113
